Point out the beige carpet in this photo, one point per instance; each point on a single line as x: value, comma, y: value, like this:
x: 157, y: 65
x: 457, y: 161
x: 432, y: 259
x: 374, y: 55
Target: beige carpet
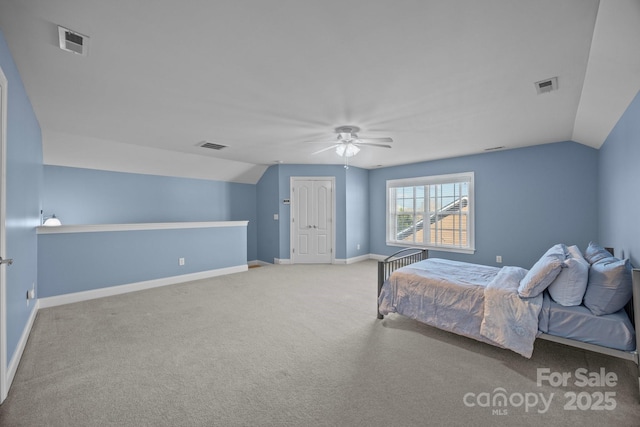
x: 289, y: 345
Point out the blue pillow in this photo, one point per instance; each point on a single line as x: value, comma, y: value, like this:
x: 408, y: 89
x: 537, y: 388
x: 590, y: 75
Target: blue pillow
x: 609, y: 288
x: 595, y: 253
x: 543, y: 272
x: 569, y: 287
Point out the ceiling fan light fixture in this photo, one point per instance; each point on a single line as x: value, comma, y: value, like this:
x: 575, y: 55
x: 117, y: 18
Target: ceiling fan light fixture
x: 347, y: 150
x: 346, y: 136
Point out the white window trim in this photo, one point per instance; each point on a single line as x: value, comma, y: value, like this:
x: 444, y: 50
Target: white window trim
x: 431, y: 180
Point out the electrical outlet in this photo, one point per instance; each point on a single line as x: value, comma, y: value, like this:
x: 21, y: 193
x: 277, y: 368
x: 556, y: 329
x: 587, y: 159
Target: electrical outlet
x: 358, y: 246
x: 499, y: 258
x: 180, y: 261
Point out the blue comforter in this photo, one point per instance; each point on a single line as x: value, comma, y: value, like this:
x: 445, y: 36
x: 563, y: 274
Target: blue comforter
x: 509, y: 320
x: 476, y: 301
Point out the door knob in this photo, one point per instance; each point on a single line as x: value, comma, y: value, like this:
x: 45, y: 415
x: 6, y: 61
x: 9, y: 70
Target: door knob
x: 6, y: 261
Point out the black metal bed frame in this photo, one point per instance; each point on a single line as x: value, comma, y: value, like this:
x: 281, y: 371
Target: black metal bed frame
x: 394, y: 262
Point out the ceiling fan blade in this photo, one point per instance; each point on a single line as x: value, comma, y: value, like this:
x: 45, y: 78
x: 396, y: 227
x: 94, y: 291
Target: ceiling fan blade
x: 374, y: 140
x: 370, y: 144
x: 325, y: 149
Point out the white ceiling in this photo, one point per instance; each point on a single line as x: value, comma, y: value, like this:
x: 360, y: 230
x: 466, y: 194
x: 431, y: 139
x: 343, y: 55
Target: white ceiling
x: 442, y: 78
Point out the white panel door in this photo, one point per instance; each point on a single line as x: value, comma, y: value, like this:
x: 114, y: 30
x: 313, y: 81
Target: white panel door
x: 312, y: 220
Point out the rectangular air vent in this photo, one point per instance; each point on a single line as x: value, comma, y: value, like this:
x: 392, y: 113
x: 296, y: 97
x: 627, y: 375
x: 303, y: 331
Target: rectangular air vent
x: 211, y: 145
x: 545, y: 86
x: 72, y: 41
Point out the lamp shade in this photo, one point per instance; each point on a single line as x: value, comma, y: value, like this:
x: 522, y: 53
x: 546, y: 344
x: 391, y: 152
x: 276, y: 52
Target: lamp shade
x: 52, y: 222
x: 347, y: 150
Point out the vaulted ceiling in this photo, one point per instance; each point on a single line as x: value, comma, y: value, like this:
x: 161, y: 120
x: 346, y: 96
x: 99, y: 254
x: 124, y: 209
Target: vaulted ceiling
x: 442, y: 78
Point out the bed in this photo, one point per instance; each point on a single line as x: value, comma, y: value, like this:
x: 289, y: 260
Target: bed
x: 510, y: 307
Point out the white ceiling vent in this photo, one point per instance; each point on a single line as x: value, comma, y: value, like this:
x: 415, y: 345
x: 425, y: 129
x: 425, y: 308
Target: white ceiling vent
x: 548, y: 85
x: 211, y: 145
x: 72, y: 41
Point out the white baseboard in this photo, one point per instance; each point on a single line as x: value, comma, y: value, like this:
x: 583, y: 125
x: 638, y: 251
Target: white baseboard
x: 258, y: 262
x: 132, y: 287
x: 338, y: 261
x: 17, y: 355
x: 352, y: 260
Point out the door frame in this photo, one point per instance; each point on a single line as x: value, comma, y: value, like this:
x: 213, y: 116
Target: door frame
x: 293, y: 200
x: 3, y: 240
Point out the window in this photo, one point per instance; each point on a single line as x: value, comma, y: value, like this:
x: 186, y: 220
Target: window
x: 434, y: 212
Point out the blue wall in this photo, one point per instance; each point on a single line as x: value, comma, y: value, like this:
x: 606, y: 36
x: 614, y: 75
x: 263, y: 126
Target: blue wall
x: 275, y: 186
x: 84, y: 196
x: 268, y: 195
x: 526, y: 200
x: 357, y: 214
x: 75, y: 262
x: 352, y: 209
x: 619, y: 204
x: 339, y: 172
x: 23, y: 190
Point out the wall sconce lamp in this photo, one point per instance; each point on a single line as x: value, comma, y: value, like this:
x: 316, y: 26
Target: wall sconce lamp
x: 51, y: 221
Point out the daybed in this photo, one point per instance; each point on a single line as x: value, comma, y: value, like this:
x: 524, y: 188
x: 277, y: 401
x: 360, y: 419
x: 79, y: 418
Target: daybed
x: 580, y: 300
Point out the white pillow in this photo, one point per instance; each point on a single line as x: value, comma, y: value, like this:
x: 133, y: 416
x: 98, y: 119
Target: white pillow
x: 543, y: 272
x: 569, y: 287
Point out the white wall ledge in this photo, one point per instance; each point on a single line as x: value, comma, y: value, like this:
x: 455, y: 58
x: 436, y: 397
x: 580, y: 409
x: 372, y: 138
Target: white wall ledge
x: 96, y: 228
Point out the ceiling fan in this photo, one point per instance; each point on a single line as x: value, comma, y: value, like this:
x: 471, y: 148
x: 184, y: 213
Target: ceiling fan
x: 348, y: 142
